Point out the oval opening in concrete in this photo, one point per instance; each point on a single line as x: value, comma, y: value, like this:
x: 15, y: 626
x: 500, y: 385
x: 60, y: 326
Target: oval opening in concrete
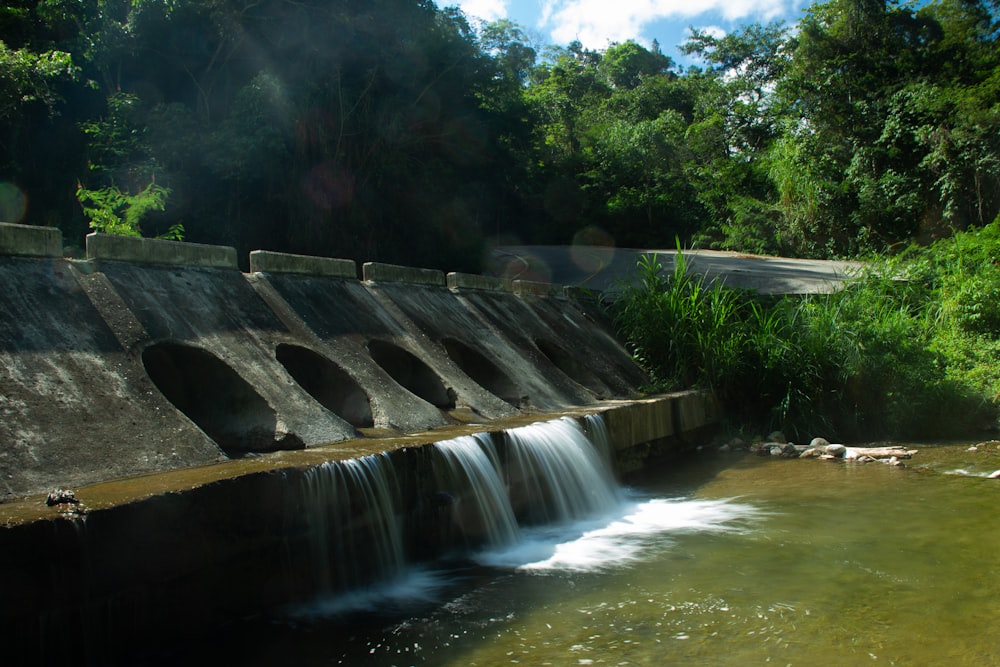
x: 328, y: 383
x: 565, y: 362
x: 411, y: 373
x: 483, y: 371
x: 215, y: 397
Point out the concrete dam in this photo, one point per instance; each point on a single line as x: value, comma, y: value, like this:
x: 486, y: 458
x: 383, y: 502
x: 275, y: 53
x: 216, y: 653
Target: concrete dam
x: 187, y: 403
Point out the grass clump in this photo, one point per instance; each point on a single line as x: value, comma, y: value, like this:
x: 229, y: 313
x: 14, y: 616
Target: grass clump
x: 907, y: 349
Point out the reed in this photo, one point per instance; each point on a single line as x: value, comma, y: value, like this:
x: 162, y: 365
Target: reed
x: 907, y: 349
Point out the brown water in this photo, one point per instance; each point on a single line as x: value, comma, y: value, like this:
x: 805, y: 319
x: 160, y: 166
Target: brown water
x: 805, y: 563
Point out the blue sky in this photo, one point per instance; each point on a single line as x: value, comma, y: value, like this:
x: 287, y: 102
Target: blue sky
x: 598, y: 23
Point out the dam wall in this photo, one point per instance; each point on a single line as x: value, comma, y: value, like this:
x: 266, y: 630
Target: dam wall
x: 153, y: 355
x: 164, y: 559
x: 190, y: 406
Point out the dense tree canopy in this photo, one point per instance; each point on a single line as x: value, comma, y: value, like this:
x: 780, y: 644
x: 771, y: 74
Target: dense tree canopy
x: 394, y: 130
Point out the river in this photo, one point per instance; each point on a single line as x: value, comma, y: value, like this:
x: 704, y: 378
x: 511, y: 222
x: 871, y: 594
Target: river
x: 720, y: 559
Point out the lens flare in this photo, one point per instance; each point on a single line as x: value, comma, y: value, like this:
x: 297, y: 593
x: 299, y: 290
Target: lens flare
x: 13, y: 203
x: 592, y: 249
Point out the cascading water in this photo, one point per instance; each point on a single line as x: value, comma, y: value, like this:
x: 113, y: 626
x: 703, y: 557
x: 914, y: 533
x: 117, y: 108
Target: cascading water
x: 722, y: 559
x: 480, y: 510
x: 536, y: 497
x: 443, y: 543
x: 354, y: 533
x: 555, y: 474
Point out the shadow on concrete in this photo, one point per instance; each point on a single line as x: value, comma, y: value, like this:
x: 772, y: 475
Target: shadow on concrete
x: 575, y: 369
x: 411, y: 373
x: 216, y: 398
x: 328, y: 383
x: 483, y: 371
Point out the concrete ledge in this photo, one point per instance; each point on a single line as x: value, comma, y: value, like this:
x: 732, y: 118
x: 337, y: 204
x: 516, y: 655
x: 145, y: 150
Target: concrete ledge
x: 159, y: 251
x: 29, y: 240
x: 693, y: 410
x: 530, y: 287
x: 474, y: 281
x: 265, y: 261
x: 203, y: 532
x: 640, y: 422
x: 392, y: 273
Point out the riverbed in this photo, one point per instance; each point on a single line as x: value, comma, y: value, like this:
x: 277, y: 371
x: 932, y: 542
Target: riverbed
x: 721, y: 559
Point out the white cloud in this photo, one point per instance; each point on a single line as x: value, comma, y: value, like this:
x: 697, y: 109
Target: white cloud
x: 712, y: 30
x: 488, y: 10
x: 596, y: 23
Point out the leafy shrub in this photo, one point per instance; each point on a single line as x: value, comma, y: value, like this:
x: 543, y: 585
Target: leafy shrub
x: 875, y: 359
x: 112, y: 211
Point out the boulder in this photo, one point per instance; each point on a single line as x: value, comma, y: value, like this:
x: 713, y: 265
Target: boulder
x: 836, y: 450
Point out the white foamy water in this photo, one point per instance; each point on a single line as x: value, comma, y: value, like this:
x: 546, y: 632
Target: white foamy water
x: 964, y: 472
x: 619, y: 539
x: 548, y: 502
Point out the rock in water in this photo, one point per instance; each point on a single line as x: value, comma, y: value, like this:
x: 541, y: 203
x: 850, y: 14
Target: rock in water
x: 61, y: 497
x: 836, y: 450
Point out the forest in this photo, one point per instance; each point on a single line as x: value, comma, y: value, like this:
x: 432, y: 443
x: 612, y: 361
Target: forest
x: 399, y: 131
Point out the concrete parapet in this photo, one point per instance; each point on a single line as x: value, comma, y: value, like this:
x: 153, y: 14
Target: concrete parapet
x: 530, y: 287
x: 393, y: 273
x: 29, y: 240
x: 474, y: 281
x: 159, y: 251
x: 265, y: 261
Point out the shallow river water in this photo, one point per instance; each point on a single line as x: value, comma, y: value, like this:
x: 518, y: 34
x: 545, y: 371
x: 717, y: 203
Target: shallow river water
x: 722, y: 559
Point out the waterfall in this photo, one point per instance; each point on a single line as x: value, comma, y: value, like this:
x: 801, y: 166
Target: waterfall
x: 354, y: 532
x: 485, y: 491
x: 481, y: 510
x: 556, y: 474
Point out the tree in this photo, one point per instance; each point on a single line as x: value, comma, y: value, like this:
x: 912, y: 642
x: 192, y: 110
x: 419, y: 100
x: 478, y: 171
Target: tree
x: 848, y: 60
x: 31, y: 78
x: 626, y: 65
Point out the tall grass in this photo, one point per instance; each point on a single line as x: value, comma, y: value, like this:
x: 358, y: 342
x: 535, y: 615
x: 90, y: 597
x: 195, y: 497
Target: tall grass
x: 899, y: 352
x: 677, y: 327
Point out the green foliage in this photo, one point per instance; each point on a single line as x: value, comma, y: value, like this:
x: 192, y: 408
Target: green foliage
x: 112, y: 211
x: 626, y: 65
x: 880, y: 358
x: 27, y: 77
x: 115, y: 140
x: 394, y: 130
x: 679, y: 327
